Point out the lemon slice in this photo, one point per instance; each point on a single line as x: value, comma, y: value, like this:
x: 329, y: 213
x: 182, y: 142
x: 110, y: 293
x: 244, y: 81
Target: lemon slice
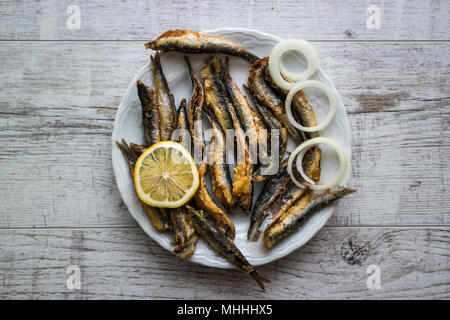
x: 165, y: 175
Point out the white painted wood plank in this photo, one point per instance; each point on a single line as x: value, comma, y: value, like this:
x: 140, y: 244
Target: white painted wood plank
x: 312, y: 20
x: 126, y: 264
x: 58, y: 101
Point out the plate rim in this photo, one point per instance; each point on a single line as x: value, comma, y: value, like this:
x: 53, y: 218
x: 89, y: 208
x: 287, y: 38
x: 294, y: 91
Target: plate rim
x: 201, y: 259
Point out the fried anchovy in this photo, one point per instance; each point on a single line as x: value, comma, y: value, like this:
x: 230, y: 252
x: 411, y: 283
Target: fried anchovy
x: 272, y: 123
x: 164, y: 100
x: 184, y: 234
x: 205, y: 202
x: 311, y: 166
x: 194, y: 109
x: 273, y: 188
x: 188, y: 41
x: 268, y: 98
x: 150, y: 113
x: 242, y: 184
x: 184, y: 237
x: 183, y: 231
x: 158, y: 218
x: 220, y: 172
x: 250, y: 122
x: 223, y: 245
x: 293, y: 219
x: 183, y: 127
x: 301, y: 108
x: 215, y: 97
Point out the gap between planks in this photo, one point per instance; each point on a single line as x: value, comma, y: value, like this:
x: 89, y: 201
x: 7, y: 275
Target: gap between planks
x: 415, y: 227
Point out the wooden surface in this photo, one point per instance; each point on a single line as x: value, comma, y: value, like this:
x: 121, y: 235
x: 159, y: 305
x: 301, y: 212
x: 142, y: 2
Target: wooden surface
x: 59, y: 91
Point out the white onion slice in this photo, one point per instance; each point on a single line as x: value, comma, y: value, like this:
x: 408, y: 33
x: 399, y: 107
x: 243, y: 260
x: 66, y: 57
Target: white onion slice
x: 342, y: 176
x: 312, y: 59
x: 305, y: 84
x: 281, y: 48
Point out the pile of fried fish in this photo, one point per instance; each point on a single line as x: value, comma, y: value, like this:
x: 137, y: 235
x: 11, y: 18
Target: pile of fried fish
x: 282, y: 207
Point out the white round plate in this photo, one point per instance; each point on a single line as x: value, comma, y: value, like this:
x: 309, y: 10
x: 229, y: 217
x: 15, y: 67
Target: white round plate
x: 127, y: 125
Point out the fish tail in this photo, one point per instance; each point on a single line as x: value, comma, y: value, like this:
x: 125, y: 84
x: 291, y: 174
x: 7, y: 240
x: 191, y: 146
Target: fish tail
x: 260, y: 279
x: 191, y: 70
x: 124, y: 147
x: 157, y: 60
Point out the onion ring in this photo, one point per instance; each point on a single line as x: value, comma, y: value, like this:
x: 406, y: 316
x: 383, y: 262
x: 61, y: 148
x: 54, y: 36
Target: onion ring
x: 281, y: 48
x: 304, y: 84
x: 344, y: 171
x: 312, y: 58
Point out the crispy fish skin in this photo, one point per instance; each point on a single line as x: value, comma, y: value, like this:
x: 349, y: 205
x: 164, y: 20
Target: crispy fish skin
x: 184, y: 234
x: 311, y: 167
x: 215, y: 97
x: 194, y: 108
x: 301, y: 108
x: 158, y: 218
x: 273, y: 188
x: 242, y: 183
x: 150, y: 113
x: 268, y: 98
x: 298, y: 214
x: 204, y: 202
x: 272, y: 123
x: 223, y: 245
x: 220, y: 172
x: 183, y: 231
x: 188, y: 41
x: 164, y: 100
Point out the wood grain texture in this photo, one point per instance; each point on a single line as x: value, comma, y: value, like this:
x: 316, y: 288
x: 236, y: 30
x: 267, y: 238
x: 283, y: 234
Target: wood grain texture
x: 126, y: 264
x: 59, y: 94
x: 58, y: 101
x: 313, y: 20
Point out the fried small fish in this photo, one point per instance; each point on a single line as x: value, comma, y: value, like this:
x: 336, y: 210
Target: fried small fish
x: 267, y: 97
x: 242, y: 183
x: 311, y: 166
x: 188, y: 41
x: 242, y: 173
x: 273, y: 188
x: 223, y: 245
x: 183, y: 231
x: 158, y: 216
x: 188, y: 249
x: 298, y: 214
x: 184, y: 234
x: 215, y: 96
x: 272, y: 123
x: 301, y: 108
x: 204, y: 202
x: 182, y: 129
x: 150, y: 113
x: 250, y: 122
x: 164, y: 100
x: 220, y: 171
x: 194, y: 109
